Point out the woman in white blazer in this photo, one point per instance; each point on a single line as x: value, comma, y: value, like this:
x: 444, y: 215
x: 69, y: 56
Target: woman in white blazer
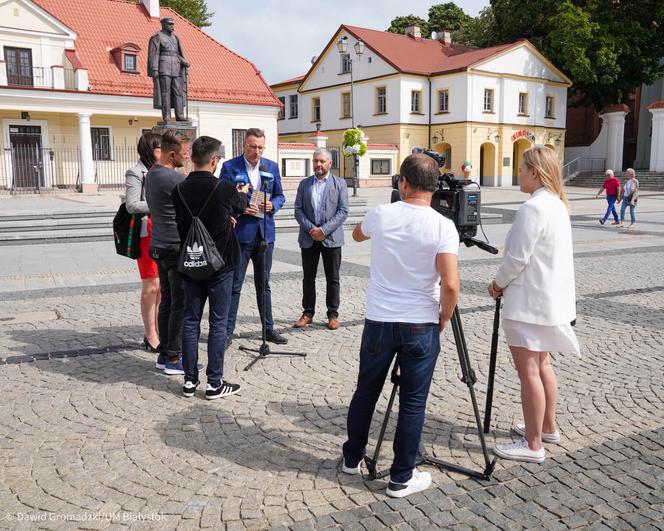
x: 536, y: 281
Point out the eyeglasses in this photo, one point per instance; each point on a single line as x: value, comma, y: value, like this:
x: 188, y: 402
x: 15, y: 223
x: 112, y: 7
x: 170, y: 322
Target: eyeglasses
x: 255, y: 147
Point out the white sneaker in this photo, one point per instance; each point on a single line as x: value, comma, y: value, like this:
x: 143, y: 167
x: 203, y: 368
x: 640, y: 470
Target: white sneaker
x: 417, y: 483
x: 519, y: 451
x: 553, y: 437
x: 349, y: 469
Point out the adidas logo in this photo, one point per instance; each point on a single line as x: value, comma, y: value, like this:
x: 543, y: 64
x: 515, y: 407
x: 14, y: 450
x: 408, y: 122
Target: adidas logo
x: 195, y: 251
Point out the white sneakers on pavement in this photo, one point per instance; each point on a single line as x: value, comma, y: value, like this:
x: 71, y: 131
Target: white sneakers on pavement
x: 551, y: 438
x: 418, y: 482
x: 519, y: 451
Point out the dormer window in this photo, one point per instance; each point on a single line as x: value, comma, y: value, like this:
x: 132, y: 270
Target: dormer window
x: 126, y: 57
x: 130, y: 62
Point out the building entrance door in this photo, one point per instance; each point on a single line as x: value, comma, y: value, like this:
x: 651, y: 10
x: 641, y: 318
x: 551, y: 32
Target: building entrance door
x: 27, y: 161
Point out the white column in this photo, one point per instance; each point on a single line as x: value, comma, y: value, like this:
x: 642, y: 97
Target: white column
x: 3, y: 74
x: 82, y: 79
x: 319, y: 140
x: 657, y: 139
x: 58, y: 73
x: 88, y: 185
x: 615, y: 123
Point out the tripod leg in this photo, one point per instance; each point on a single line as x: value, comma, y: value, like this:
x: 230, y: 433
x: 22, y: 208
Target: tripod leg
x: 372, y: 462
x: 492, y: 368
x: 469, y: 378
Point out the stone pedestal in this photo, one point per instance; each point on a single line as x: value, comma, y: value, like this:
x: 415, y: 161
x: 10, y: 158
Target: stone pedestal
x: 614, y: 120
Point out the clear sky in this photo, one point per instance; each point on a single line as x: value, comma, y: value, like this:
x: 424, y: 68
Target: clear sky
x: 281, y: 37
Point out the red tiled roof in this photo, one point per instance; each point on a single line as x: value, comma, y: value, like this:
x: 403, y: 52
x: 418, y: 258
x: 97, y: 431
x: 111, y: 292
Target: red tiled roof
x: 617, y: 107
x: 422, y: 56
x: 216, y: 73
x: 659, y: 104
x: 295, y: 145
x: 291, y: 81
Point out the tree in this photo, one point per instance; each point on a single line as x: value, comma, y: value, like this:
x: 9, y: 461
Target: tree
x: 607, y: 47
x: 195, y: 11
x: 399, y: 24
x: 448, y: 16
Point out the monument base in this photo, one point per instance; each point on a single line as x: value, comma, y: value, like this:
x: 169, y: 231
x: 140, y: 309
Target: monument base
x: 186, y: 127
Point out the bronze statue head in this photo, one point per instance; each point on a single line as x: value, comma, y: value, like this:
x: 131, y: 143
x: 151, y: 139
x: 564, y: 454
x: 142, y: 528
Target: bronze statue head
x: 167, y: 25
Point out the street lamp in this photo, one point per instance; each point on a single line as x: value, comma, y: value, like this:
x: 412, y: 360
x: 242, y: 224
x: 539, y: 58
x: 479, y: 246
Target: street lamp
x: 342, y: 46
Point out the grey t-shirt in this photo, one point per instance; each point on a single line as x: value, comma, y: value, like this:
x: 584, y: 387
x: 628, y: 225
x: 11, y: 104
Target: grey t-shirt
x: 159, y: 184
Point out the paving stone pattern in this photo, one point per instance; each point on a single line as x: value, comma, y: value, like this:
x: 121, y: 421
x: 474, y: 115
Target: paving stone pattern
x: 89, y: 427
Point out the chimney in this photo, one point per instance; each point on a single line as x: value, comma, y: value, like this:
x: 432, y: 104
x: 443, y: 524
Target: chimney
x: 444, y: 37
x: 152, y: 7
x: 413, y: 31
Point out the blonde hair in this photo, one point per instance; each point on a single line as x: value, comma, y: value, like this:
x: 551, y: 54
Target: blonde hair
x: 545, y: 162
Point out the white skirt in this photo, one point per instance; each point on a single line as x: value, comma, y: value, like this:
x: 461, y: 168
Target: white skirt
x: 541, y: 338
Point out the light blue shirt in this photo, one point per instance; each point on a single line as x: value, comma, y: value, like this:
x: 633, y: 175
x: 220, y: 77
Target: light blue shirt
x: 317, y: 195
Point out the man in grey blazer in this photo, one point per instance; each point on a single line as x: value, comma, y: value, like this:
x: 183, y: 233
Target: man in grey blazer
x: 321, y: 207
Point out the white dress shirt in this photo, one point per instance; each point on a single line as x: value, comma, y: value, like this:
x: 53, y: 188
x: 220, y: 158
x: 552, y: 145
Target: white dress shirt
x: 537, y: 270
x: 253, y: 173
x: 317, y: 195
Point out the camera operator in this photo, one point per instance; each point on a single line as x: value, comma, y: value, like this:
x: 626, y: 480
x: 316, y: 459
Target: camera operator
x: 412, y: 249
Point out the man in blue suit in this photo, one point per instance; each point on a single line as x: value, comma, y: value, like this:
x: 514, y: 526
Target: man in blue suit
x: 247, y: 168
x: 321, y: 207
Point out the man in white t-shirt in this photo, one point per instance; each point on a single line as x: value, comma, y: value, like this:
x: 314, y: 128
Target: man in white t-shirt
x: 413, y: 290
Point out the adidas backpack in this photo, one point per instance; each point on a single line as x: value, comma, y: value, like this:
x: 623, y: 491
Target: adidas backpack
x: 199, y: 257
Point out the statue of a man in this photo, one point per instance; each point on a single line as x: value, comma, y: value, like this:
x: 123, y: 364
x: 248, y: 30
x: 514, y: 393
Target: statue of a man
x: 167, y: 67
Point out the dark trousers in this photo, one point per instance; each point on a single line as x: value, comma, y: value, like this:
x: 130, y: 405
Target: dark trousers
x: 172, y: 96
x: 416, y: 347
x: 218, y: 289
x: 251, y: 251
x: 169, y: 316
x: 331, y: 264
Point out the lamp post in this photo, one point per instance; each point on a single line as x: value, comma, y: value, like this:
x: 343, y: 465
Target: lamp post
x: 342, y: 46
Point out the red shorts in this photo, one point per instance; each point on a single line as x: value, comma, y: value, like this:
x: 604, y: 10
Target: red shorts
x: 147, y: 267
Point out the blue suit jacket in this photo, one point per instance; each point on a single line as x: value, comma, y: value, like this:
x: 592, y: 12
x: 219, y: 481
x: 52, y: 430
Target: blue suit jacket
x: 335, y: 211
x: 248, y: 226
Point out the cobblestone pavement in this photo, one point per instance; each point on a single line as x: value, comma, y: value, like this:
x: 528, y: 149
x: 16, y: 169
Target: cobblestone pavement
x: 92, y: 436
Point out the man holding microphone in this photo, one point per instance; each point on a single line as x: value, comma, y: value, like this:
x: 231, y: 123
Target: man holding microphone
x: 413, y: 290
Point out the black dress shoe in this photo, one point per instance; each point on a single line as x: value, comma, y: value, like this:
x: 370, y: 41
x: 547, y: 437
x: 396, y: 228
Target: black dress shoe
x: 274, y: 337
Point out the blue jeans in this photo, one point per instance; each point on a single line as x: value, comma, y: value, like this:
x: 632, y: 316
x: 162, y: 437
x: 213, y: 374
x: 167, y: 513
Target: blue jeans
x: 623, y: 206
x: 611, y: 209
x: 218, y: 289
x: 416, y: 347
x: 251, y: 251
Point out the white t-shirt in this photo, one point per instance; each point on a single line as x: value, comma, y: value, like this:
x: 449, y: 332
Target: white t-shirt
x: 405, y: 239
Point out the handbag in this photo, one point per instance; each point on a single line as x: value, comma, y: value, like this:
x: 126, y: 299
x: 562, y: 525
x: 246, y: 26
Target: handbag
x: 127, y: 230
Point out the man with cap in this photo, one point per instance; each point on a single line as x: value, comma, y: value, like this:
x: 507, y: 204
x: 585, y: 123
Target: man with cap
x: 167, y: 67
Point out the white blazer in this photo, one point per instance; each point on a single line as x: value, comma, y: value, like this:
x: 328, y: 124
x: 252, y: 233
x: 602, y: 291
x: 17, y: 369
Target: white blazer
x: 537, y: 271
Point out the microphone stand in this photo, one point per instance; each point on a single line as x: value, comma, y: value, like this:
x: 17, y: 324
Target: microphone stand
x: 264, y: 350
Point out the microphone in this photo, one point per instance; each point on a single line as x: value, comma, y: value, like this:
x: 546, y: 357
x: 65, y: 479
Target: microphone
x: 264, y: 174
x: 240, y: 178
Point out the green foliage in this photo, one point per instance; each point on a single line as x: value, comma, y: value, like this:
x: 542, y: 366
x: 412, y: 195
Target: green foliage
x: 399, y: 25
x: 195, y: 11
x: 353, y: 143
x: 447, y: 16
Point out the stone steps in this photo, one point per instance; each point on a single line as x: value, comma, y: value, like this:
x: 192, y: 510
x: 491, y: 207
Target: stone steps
x: 653, y: 181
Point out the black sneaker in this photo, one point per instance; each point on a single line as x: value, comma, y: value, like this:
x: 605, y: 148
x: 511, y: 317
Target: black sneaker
x: 602, y: 221
x: 274, y: 337
x: 189, y: 388
x: 225, y: 389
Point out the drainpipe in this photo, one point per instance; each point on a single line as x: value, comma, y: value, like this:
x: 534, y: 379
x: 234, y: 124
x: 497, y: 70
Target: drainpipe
x: 429, y: 135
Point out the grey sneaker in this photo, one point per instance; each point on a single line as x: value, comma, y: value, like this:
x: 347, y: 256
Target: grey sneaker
x: 551, y: 438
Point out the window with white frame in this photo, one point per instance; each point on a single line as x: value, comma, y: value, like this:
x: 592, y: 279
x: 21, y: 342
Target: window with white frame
x: 444, y: 100
x: 101, y: 143
x: 346, y: 63
x: 523, y: 103
x: 346, y: 109
x: 292, y: 106
x: 416, y: 101
x: 315, y: 109
x: 335, y: 157
x: 238, y: 136
x: 381, y: 100
x: 282, y: 111
x: 549, y: 107
x: 488, y: 100
x: 381, y: 166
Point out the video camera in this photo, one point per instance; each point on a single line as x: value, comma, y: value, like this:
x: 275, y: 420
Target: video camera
x: 452, y: 198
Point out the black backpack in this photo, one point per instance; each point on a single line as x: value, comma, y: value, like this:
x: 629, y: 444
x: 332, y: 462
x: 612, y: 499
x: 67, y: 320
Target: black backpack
x: 199, y: 257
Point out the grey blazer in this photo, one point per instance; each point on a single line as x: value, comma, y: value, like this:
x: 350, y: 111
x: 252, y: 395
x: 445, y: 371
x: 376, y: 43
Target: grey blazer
x: 335, y: 211
x: 133, y: 186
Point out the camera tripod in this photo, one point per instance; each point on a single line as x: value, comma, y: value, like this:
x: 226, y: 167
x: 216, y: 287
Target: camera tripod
x: 468, y: 377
